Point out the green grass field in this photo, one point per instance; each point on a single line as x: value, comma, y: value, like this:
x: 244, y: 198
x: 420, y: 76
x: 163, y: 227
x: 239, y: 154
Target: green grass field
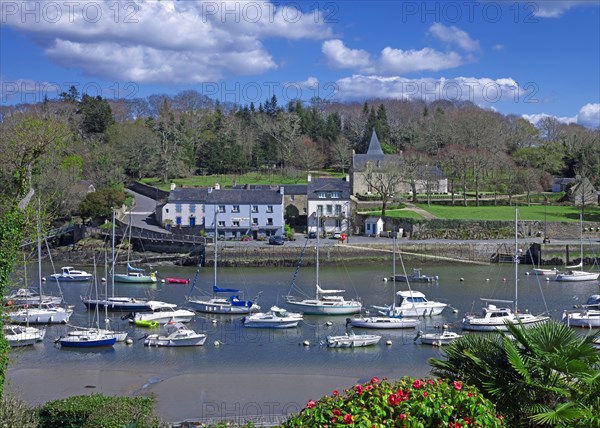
x: 404, y: 213
x: 536, y: 212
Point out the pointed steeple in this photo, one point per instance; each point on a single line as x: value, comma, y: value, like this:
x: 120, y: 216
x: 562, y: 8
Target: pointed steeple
x: 374, y: 146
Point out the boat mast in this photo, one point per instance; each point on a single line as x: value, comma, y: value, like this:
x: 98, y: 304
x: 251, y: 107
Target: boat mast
x: 216, y: 240
x: 516, y: 260
x: 394, y: 271
x: 581, y: 239
x: 39, y: 249
x: 317, y: 251
x: 113, y: 254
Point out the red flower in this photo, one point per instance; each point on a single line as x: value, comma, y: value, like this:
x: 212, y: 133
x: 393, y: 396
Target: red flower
x: 358, y: 389
x: 417, y: 384
x: 469, y: 394
x: 430, y: 382
x: 347, y: 418
x: 425, y: 394
x: 402, y: 416
x: 374, y: 379
x: 467, y: 420
x: 457, y: 385
x: 333, y: 420
x: 310, y: 404
x: 337, y: 412
x: 393, y: 400
x: 335, y: 393
x: 368, y: 387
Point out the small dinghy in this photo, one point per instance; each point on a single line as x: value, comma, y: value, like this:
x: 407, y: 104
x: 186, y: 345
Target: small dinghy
x: 437, y: 338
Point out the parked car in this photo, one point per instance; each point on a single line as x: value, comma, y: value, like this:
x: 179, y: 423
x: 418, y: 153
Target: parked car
x: 312, y: 235
x: 276, y: 240
x: 335, y: 235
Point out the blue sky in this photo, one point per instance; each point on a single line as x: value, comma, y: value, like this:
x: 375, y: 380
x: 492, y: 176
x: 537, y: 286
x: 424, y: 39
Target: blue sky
x: 529, y: 58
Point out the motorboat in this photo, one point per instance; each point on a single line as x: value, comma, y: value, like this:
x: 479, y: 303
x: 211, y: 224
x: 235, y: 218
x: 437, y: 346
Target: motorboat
x: 494, y: 318
x: 416, y: 276
x: 28, y: 296
x: 69, y: 273
x: 573, y: 275
x: 412, y: 304
x: 87, y: 339
x: 593, y: 302
x: 351, y: 340
x: 437, y: 338
x: 18, y: 335
x: 175, y: 334
x: 384, y: 322
x: 162, y: 313
x: 42, y: 313
x: 588, y: 318
x: 275, y: 318
x: 326, y: 301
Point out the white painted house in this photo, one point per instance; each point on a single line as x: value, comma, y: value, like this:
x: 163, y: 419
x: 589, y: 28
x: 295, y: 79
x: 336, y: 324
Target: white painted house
x: 255, y: 213
x: 330, y: 197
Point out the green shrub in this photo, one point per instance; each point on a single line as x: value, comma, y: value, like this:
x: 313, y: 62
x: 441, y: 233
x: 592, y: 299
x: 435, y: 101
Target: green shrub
x: 407, y: 402
x: 15, y: 413
x: 97, y: 410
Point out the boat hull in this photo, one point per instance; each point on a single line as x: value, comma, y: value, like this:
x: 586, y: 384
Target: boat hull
x: 384, y: 323
x: 271, y: 324
x: 145, y: 279
x: 475, y: 324
x: 155, y: 340
x: 438, y: 339
x: 35, y: 316
x: 352, y: 341
x: 318, y: 307
x: 126, y: 304
x: 70, y: 278
x: 586, y: 319
x: 209, y: 307
x: 83, y: 342
x: 577, y: 276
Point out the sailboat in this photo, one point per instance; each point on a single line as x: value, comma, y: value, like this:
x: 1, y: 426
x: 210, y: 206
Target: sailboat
x: 116, y: 303
x: 494, y: 318
x: 46, y: 311
x: 134, y: 275
x: 388, y: 320
x: 19, y: 335
x: 326, y: 302
x: 217, y: 304
x: 572, y: 274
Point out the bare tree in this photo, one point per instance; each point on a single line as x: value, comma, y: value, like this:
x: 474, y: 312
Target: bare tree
x: 384, y: 178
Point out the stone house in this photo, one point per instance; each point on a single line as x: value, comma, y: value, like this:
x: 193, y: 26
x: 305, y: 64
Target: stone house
x: 330, y: 197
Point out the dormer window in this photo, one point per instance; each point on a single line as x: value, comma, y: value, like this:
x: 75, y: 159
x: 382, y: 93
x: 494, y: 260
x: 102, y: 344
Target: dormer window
x: 322, y: 195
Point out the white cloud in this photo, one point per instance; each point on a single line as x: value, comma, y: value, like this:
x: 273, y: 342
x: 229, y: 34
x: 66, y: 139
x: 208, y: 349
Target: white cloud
x: 555, y: 8
x: 537, y: 117
x: 391, y: 61
x: 480, y: 91
x: 164, y: 41
x: 589, y: 116
x: 398, y: 61
x: 498, y: 47
x: 339, y: 56
x: 454, y: 36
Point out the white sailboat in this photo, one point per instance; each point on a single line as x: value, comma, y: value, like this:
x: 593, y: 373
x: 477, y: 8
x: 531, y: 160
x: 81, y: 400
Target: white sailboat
x: 46, y: 312
x: 133, y: 274
x: 217, y: 303
x: 494, y: 318
x: 573, y: 273
x: 116, y: 303
x: 19, y: 335
x: 326, y: 302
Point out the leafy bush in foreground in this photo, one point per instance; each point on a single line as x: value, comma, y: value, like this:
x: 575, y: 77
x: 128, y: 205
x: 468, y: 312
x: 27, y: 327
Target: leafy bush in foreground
x: 407, y: 402
x: 98, y: 410
x: 15, y: 413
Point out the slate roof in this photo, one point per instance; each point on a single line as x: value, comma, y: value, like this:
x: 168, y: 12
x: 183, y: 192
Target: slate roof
x: 317, y: 185
x: 374, y: 154
x: 288, y: 189
x: 226, y: 196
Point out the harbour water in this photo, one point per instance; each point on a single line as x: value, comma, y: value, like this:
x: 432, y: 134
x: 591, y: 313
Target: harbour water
x: 257, y: 371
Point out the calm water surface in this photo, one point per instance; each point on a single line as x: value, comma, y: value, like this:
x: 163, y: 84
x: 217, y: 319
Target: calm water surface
x: 281, y: 352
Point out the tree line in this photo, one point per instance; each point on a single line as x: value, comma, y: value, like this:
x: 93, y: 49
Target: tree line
x: 162, y: 136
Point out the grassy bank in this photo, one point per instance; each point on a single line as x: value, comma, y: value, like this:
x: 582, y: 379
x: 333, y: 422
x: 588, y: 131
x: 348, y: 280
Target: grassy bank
x: 535, y: 212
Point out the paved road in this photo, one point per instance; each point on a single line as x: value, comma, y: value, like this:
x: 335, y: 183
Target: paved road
x: 142, y: 214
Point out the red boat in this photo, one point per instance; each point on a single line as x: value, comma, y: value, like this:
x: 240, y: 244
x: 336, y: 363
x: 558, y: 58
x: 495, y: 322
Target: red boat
x: 178, y: 281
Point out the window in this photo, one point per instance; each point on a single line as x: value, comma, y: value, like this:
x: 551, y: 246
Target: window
x: 235, y: 209
x: 177, y: 208
x: 336, y: 195
x: 329, y: 209
x: 269, y: 208
x: 254, y: 222
x: 221, y: 223
x: 178, y: 220
x: 338, y: 210
x: 221, y: 208
x: 269, y: 222
x: 338, y: 224
x: 254, y: 208
x: 192, y: 221
x: 192, y: 208
x: 322, y: 195
x: 235, y: 223
x: 319, y: 209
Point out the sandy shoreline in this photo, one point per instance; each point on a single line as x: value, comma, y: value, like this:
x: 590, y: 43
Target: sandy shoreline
x: 182, y: 396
